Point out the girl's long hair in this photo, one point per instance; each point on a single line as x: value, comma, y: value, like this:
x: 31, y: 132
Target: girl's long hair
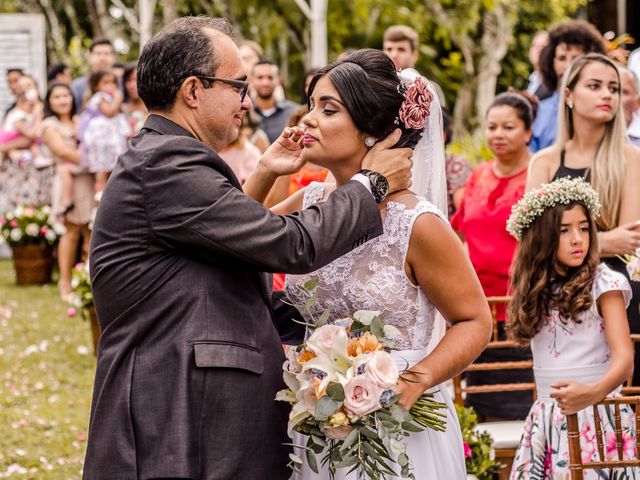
x: 539, y: 283
x: 609, y: 165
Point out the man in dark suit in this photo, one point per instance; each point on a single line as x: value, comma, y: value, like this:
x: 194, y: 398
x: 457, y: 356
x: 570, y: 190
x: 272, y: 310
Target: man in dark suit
x: 190, y: 357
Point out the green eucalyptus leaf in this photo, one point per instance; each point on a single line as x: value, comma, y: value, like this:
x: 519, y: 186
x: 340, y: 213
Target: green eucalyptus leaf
x: 365, y: 317
x: 312, y: 461
x: 326, y: 407
x: 310, y: 285
x: 335, y: 391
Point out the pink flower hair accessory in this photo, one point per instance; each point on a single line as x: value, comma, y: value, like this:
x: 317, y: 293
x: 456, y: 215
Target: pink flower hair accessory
x: 417, y: 99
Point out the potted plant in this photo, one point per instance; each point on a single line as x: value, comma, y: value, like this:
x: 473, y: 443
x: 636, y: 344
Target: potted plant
x: 31, y: 236
x: 478, y: 452
x: 82, y: 300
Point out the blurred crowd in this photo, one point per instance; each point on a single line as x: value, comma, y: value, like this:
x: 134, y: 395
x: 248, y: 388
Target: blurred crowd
x: 59, y: 150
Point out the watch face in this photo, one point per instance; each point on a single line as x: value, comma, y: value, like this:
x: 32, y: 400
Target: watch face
x: 379, y: 186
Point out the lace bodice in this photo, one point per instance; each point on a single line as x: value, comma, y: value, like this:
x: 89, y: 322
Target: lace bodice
x: 372, y: 276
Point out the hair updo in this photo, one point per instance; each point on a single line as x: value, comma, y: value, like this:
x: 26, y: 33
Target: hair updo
x: 368, y: 85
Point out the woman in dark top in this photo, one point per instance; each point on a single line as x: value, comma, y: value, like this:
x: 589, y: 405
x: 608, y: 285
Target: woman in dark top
x: 592, y: 143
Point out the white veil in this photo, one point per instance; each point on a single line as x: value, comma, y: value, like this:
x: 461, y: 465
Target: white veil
x: 428, y: 175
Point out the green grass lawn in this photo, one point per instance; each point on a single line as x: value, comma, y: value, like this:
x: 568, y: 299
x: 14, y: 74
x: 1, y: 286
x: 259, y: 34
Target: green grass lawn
x: 46, y: 377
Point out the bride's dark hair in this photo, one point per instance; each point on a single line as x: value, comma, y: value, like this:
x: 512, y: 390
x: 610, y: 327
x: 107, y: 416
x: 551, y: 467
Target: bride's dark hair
x: 369, y: 86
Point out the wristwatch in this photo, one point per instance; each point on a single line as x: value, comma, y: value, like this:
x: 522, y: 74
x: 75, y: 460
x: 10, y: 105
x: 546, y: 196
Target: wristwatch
x: 379, y: 184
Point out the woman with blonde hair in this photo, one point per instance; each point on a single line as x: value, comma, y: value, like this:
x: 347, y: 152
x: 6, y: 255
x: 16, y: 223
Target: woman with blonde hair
x: 592, y: 143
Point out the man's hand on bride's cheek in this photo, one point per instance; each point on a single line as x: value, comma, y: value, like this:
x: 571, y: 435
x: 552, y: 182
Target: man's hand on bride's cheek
x: 393, y: 163
x: 284, y: 156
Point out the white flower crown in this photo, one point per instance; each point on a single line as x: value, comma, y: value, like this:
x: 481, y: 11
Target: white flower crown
x: 562, y: 191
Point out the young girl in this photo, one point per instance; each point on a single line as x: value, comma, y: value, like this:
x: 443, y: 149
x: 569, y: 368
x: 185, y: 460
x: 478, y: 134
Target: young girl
x: 103, y: 130
x: 572, y: 309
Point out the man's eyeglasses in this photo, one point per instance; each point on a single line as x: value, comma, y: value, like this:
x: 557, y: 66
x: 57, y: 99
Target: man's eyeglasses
x: 239, y: 85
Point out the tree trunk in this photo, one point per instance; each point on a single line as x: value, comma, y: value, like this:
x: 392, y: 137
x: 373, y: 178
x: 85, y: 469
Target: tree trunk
x: 498, y: 25
x: 56, y: 40
x: 169, y: 11
x: 104, y: 18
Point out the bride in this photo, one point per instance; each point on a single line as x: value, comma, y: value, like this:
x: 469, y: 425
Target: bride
x: 418, y: 267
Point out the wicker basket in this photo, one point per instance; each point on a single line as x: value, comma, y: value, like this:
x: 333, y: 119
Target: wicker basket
x: 95, y: 328
x: 33, y: 264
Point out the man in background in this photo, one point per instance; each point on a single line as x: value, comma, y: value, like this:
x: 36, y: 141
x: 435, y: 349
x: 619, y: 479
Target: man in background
x: 13, y: 75
x: 401, y: 45
x: 630, y: 102
x: 536, y: 85
x: 274, y: 114
x: 59, y: 72
x: 101, y: 57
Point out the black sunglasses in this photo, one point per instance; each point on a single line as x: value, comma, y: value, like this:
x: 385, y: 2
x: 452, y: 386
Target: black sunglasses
x: 240, y: 86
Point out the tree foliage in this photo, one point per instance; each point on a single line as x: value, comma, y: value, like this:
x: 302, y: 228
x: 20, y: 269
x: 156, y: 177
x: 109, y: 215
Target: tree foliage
x: 470, y: 47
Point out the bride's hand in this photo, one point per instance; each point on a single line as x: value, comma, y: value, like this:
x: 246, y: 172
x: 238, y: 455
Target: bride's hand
x: 284, y: 156
x: 411, y: 389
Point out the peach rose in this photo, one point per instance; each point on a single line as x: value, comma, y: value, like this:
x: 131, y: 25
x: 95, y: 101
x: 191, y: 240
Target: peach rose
x: 415, y: 108
x: 362, y: 396
x: 382, y: 369
x: 365, y: 343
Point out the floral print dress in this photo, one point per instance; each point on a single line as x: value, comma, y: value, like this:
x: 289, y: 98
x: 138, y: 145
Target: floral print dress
x: 580, y: 352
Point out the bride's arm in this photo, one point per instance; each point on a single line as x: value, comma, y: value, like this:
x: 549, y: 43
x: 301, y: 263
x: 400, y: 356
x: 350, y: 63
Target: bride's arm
x: 441, y: 267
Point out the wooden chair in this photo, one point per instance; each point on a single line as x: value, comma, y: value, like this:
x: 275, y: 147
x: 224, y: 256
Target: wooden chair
x: 576, y: 465
x: 506, y: 434
x: 629, y: 388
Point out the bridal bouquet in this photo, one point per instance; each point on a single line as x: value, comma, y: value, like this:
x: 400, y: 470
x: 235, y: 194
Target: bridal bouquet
x: 633, y: 265
x: 341, y: 387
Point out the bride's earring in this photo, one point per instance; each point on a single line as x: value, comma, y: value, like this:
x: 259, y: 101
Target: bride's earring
x: 369, y: 141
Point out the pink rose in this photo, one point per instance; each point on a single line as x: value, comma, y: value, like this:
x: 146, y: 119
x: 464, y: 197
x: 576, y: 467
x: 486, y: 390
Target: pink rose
x: 362, y: 396
x: 325, y: 338
x: 43, y: 230
x: 467, y: 450
x: 13, y: 224
x: 415, y: 108
x: 338, y: 433
x: 71, y: 312
x: 382, y: 369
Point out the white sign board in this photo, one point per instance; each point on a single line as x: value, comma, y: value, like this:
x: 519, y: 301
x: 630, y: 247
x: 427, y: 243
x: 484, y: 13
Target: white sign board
x: 22, y: 45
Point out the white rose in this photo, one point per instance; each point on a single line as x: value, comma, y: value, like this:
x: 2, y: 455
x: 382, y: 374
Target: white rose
x: 16, y: 235
x: 19, y: 211
x: 327, y: 338
x: 50, y: 235
x: 32, y: 230
x: 383, y: 369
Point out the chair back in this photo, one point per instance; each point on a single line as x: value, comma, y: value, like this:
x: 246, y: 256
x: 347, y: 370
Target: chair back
x: 629, y: 388
x: 576, y: 465
x: 460, y: 389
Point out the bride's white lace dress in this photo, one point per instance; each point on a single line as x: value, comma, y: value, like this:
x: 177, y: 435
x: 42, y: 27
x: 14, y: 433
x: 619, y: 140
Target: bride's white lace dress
x: 372, y: 277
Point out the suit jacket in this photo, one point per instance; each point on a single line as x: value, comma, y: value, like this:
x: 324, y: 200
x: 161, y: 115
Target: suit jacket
x: 190, y: 359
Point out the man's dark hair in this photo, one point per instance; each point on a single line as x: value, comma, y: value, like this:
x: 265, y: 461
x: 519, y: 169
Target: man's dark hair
x: 181, y: 49
x: 573, y: 33
x: 46, y: 109
x: 100, y: 41
x: 264, y: 61
x: 55, y: 70
x: 368, y: 85
x: 14, y: 70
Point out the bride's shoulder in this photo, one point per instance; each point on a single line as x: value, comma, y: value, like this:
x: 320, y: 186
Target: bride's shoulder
x: 415, y: 205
